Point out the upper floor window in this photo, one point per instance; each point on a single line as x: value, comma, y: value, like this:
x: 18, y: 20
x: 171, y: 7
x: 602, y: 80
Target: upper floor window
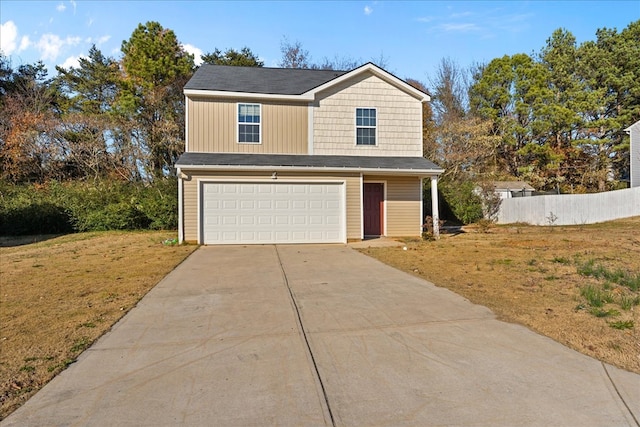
x: 249, y: 123
x: 365, y: 126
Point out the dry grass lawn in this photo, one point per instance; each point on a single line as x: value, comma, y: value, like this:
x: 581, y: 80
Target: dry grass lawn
x: 530, y: 275
x: 57, y: 296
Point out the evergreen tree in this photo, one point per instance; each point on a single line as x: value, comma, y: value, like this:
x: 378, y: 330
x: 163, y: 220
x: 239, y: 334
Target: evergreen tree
x: 243, y: 58
x: 156, y: 68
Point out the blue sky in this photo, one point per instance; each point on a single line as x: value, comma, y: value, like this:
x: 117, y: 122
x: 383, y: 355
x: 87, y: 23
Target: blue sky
x: 411, y: 36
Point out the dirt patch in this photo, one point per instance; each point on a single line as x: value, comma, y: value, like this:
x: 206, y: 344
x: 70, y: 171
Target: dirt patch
x: 58, y: 295
x: 577, y: 285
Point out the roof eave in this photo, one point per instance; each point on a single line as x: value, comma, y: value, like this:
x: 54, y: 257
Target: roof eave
x: 381, y: 171
x: 305, y: 97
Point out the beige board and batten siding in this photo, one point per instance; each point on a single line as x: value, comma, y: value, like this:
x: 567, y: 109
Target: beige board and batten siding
x: 190, y: 195
x: 399, y: 119
x: 212, y: 127
x: 403, y: 204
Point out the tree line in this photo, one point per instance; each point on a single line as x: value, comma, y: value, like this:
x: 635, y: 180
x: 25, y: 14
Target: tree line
x: 553, y: 118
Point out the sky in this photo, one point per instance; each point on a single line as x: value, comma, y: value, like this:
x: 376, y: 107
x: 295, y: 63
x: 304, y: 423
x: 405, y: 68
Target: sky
x: 411, y: 37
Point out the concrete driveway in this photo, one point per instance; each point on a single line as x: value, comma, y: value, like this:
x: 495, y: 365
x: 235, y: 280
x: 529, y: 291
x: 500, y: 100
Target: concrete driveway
x: 322, y: 335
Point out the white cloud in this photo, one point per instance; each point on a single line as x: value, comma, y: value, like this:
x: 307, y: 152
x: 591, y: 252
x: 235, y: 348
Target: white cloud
x: 61, y: 7
x: 72, y: 62
x: 426, y: 19
x: 463, y: 28
x: 8, y: 37
x: 73, y: 3
x: 72, y: 41
x: 103, y: 39
x: 368, y: 10
x: 24, y: 43
x: 50, y: 45
x: 197, y: 53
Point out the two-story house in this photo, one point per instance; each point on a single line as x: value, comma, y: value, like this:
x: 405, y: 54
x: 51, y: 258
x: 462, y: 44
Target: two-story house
x: 301, y: 156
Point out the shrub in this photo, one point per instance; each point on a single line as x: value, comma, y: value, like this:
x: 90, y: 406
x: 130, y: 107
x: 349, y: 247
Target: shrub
x: 87, y: 206
x: 159, y: 202
x: 34, y: 218
x: 465, y: 204
x: 114, y: 216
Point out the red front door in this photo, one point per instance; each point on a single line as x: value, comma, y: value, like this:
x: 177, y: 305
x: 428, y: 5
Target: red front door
x: 373, y: 209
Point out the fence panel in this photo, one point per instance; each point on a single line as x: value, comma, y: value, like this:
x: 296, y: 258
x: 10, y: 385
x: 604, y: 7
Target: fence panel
x: 571, y: 209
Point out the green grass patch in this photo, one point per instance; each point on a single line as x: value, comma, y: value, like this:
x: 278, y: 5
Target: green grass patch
x: 595, y: 296
x: 618, y: 276
x: 622, y: 324
x: 598, y: 312
x: 627, y: 302
x: 80, y: 344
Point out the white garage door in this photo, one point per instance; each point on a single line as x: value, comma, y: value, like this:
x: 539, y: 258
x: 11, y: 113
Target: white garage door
x: 272, y: 212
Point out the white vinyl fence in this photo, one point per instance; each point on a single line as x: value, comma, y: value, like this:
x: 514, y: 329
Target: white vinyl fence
x: 571, y: 209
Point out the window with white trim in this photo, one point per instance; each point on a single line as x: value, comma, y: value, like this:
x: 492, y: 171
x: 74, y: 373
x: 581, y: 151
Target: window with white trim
x: 365, y: 126
x: 249, y: 123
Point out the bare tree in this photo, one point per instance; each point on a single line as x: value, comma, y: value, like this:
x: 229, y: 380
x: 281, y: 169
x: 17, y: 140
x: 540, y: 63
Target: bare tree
x: 450, y: 88
x: 293, y: 54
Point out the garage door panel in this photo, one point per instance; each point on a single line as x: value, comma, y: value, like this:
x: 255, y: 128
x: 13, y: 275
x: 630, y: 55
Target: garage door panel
x: 333, y: 220
x: 282, y: 220
x: 282, y: 204
x: 241, y: 212
x: 265, y: 220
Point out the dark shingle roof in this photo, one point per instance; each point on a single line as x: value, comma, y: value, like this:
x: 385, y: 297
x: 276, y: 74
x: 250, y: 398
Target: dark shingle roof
x: 275, y: 81
x: 410, y: 164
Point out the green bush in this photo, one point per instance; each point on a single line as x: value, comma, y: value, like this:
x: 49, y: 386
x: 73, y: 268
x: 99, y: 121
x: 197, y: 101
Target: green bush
x: 34, y: 218
x: 465, y: 203
x: 78, y: 206
x: 114, y: 216
x: 159, y: 202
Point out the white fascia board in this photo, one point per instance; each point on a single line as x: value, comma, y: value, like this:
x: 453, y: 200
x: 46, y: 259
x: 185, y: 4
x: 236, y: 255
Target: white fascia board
x: 379, y: 171
x: 306, y: 97
x: 628, y: 130
x: 384, y: 75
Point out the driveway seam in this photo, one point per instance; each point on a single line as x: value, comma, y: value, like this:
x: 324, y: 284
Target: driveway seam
x: 304, y: 335
x: 615, y: 387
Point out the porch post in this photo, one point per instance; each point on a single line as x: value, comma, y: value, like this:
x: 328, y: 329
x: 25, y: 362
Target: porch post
x: 434, y: 206
x: 180, y: 208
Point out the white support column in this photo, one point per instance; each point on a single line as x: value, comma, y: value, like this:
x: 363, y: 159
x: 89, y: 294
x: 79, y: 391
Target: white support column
x: 180, y: 207
x: 434, y: 206
x: 421, y: 205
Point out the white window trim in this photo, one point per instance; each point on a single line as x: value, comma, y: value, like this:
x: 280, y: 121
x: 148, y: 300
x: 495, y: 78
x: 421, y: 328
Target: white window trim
x: 355, y: 123
x: 238, y: 123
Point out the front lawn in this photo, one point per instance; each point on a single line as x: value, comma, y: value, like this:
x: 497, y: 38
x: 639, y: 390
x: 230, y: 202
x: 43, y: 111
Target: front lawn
x: 578, y: 285
x: 58, y: 295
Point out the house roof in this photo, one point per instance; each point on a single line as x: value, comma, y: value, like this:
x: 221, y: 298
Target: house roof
x: 407, y: 165
x: 281, y: 83
x: 632, y: 126
x: 275, y: 81
x: 512, y: 185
